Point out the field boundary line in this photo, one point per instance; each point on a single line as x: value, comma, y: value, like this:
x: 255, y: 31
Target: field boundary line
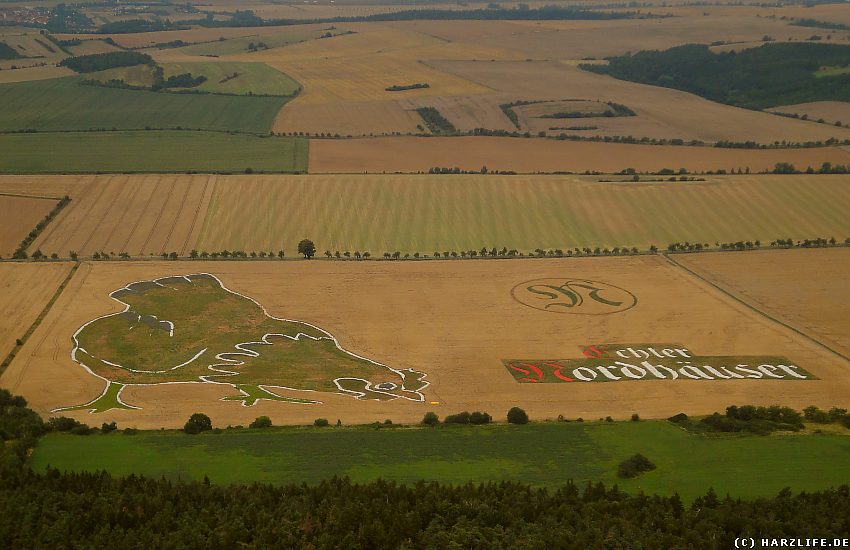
x: 41, y: 316
x: 748, y: 305
x: 23, y: 196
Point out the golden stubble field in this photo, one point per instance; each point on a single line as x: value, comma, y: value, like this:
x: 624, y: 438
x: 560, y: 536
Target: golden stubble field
x: 807, y: 289
x: 456, y: 321
x: 140, y: 215
x: 25, y: 288
x: 531, y: 155
x: 18, y: 216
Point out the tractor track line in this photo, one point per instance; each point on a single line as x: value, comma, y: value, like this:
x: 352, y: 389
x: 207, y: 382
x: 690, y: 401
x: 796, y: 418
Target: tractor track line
x: 754, y: 308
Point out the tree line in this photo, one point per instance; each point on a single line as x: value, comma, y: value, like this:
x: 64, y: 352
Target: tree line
x: 308, y: 251
x: 103, y: 61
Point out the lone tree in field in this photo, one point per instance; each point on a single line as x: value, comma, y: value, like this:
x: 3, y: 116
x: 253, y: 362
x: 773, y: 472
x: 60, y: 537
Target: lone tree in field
x: 198, y: 422
x: 307, y: 248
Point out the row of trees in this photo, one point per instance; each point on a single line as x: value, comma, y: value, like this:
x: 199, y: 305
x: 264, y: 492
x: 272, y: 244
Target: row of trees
x: 309, y: 251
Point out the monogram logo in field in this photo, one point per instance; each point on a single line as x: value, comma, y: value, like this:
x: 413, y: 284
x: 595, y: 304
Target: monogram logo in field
x: 579, y: 296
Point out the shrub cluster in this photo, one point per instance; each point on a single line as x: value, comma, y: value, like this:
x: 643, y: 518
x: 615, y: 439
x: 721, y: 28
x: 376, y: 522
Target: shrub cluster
x: 634, y: 466
x: 746, y: 418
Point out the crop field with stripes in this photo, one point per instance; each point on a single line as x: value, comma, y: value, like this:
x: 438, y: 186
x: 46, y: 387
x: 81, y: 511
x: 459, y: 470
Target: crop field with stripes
x: 147, y: 215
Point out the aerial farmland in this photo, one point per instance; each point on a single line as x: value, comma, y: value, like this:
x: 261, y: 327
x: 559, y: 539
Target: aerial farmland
x: 458, y: 260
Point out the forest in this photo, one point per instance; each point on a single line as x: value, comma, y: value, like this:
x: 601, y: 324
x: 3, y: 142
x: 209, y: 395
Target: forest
x: 755, y: 78
x: 95, y: 510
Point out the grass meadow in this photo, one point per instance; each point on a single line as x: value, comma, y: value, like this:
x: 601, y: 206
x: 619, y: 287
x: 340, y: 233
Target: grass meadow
x: 67, y: 104
x: 149, y: 151
x: 544, y: 454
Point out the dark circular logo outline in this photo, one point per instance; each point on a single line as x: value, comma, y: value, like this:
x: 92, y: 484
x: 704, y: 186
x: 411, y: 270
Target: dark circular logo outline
x: 566, y: 280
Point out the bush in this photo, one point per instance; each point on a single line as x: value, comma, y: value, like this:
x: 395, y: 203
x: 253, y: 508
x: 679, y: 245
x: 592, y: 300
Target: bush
x: 130, y: 431
x: 816, y: 415
x: 81, y: 429
x: 430, y: 419
x: 321, y: 422
x: 16, y: 420
x: 197, y: 423
x: 680, y: 418
x: 62, y: 424
x: 479, y: 417
x: 261, y: 422
x: 460, y: 418
x: 634, y: 466
x: 635, y: 417
x: 517, y: 416
x: 107, y: 428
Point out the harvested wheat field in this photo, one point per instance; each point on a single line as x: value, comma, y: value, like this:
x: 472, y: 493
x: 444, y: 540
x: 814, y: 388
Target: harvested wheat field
x: 418, y: 154
x: 478, y: 330
x: 25, y: 288
x: 140, y: 215
x: 33, y: 73
x: 579, y: 39
x: 807, y: 289
x: 661, y: 113
x: 18, y: 216
x: 828, y: 111
x: 53, y: 187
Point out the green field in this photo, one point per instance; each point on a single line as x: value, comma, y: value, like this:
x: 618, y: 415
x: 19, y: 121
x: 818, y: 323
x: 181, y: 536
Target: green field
x: 251, y: 78
x: 234, y: 46
x: 422, y: 213
x: 166, y: 151
x: 832, y: 71
x: 538, y: 454
x: 66, y: 104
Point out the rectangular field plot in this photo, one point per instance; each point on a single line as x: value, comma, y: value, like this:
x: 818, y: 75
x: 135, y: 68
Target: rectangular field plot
x: 145, y: 215
x: 807, y: 289
x: 538, y: 454
x: 67, y: 104
x: 456, y: 323
x: 418, y: 155
x: 453, y: 213
x: 18, y: 216
x: 168, y: 151
x: 24, y: 291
